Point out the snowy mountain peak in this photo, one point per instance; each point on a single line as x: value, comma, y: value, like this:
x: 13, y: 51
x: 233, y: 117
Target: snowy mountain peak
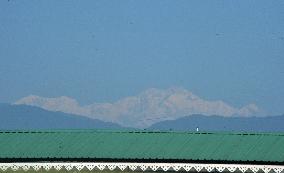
x: 145, y: 109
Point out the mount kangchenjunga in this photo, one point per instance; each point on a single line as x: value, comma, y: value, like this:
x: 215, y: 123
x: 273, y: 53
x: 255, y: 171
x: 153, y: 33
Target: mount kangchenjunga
x: 145, y: 109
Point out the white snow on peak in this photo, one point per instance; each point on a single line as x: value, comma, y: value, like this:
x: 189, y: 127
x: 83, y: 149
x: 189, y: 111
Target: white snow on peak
x: 149, y: 107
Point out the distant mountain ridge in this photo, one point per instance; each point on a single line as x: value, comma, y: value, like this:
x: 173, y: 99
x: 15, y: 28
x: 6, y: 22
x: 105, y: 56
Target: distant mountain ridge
x: 14, y: 117
x: 219, y: 123
x: 141, y: 111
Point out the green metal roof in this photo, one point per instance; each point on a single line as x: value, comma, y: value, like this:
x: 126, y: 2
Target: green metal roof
x: 142, y: 145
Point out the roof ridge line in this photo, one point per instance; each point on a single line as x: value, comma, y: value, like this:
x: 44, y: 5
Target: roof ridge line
x: 140, y: 131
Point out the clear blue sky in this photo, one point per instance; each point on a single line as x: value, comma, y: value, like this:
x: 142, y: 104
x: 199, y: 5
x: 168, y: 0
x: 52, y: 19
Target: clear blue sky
x: 105, y: 50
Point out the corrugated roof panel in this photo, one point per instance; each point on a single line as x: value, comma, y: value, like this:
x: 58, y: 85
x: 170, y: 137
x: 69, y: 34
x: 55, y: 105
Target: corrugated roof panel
x: 142, y: 145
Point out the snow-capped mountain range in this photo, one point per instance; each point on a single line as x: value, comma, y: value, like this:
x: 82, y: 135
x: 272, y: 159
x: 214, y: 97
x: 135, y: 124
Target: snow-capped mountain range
x: 145, y: 109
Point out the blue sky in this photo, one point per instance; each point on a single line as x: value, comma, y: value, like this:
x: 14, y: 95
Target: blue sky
x: 100, y: 51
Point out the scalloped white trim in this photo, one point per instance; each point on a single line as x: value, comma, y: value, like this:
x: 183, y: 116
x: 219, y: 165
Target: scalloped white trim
x: 143, y: 166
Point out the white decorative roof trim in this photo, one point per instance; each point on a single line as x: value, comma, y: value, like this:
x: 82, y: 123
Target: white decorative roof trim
x: 143, y: 166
